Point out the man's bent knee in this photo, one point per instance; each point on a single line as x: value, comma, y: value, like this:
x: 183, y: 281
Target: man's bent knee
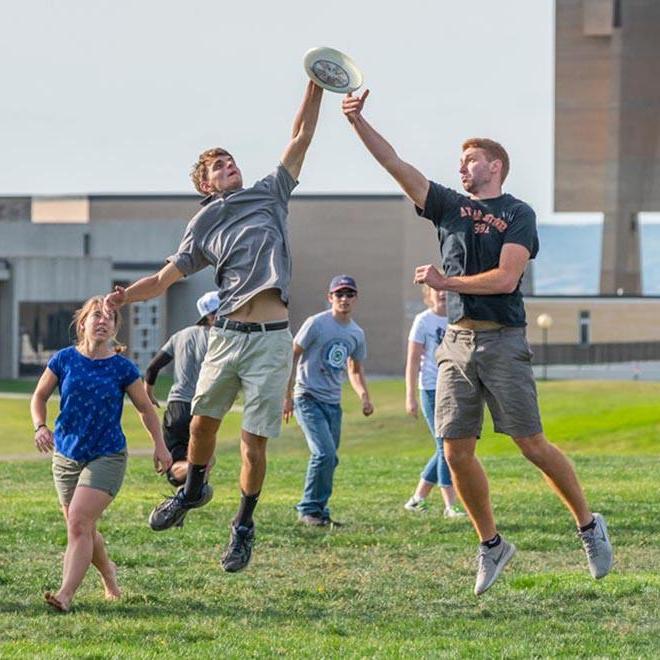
x: 459, y: 451
x: 253, y: 447
x: 203, y: 427
x: 533, y: 447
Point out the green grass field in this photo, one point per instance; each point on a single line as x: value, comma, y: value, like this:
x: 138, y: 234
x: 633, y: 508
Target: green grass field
x: 388, y: 584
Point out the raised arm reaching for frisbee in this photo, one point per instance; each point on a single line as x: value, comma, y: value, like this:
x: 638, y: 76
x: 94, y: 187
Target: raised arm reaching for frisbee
x: 414, y: 184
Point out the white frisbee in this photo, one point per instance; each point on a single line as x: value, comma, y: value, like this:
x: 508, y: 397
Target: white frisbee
x: 332, y: 70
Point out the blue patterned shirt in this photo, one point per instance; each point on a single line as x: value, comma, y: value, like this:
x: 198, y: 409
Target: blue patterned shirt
x: 92, y: 399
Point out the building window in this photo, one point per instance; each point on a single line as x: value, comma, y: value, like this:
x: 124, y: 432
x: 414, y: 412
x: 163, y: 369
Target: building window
x: 44, y: 328
x: 585, y: 328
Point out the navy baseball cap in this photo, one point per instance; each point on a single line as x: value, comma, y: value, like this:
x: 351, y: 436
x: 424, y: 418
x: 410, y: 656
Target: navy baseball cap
x: 342, y: 282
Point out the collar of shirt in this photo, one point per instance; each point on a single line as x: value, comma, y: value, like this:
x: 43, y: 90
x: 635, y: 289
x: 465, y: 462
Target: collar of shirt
x: 211, y: 198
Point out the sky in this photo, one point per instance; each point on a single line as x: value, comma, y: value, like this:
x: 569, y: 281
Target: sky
x: 120, y: 96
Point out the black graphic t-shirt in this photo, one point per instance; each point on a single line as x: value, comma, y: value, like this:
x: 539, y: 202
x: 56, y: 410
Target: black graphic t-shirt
x: 471, y: 234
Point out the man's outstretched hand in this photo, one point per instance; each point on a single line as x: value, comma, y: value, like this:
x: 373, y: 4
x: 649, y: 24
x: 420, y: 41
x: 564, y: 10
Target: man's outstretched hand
x: 352, y: 105
x: 113, y: 301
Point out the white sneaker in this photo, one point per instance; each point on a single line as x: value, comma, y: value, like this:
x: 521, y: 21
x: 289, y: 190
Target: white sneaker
x: 491, y: 562
x: 597, y: 545
x: 453, y: 512
x: 416, y: 504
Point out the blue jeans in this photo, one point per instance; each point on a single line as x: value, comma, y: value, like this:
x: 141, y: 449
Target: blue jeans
x: 436, y: 470
x: 321, y: 424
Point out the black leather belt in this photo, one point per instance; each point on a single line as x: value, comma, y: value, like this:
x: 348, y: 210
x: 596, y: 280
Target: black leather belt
x: 239, y: 326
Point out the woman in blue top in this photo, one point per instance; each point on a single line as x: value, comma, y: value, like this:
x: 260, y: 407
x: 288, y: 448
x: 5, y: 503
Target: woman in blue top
x: 89, y: 447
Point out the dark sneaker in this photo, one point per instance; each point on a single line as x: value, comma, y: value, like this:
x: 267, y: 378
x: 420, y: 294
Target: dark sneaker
x: 237, y: 554
x: 327, y: 520
x: 597, y: 545
x: 313, y: 520
x: 172, y: 511
x: 491, y: 562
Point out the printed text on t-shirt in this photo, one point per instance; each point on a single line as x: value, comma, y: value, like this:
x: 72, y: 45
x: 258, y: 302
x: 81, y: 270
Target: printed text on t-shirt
x: 483, y: 221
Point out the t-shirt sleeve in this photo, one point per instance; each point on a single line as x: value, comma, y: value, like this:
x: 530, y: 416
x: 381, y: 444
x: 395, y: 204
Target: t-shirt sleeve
x: 130, y: 375
x: 168, y: 346
x: 522, y: 230
x: 189, y: 258
x: 437, y: 201
x: 360, y: 352
x: 306, y: 335
x: 280, y: 184
x: 416, y: 333
x: 55, y: 364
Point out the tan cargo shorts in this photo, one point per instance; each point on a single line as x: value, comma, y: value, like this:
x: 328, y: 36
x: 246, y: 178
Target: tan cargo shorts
x: 491, y: 366
x: 259, y: 363
x: 104, y: 473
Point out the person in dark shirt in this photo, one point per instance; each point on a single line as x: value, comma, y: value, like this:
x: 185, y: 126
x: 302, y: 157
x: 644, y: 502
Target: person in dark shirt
x: 486, y: 239
x: 187, y: 349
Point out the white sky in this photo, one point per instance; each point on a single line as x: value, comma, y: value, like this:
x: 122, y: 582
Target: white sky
x: 121, y: 95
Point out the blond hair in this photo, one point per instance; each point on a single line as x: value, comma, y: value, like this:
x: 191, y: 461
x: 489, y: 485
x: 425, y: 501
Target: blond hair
x: 200, y: 169
x: 80, y: 316
x: 494, y: 151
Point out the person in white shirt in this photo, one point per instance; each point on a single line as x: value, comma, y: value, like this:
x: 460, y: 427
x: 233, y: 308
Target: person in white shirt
x: 425, y: 336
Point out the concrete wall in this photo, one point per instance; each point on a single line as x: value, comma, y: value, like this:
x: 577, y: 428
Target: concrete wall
x: 613, y: 320
x: 379, y: 241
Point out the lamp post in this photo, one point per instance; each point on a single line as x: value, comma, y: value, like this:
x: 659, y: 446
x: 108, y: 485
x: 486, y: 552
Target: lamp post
x: 544, y: 321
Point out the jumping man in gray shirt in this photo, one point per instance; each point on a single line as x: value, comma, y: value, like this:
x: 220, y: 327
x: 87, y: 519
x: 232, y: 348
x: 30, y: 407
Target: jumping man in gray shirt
x: 242, y: 234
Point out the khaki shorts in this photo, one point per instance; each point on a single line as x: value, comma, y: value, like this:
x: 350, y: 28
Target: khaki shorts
x: 492, y: 366
x: 104, y: 473
x: 259, y: 363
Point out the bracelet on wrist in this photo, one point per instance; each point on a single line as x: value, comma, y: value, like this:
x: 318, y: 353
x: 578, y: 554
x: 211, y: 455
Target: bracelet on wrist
x: 40, y: 426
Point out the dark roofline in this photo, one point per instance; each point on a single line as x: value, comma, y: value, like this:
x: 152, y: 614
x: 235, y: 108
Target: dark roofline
x: 115, y: 197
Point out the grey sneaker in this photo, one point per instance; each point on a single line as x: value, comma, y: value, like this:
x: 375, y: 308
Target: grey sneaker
x: 311, y: 520
x: 417, y: 505
x: 597, y: 545
x: 172, y: 511
x: 491, y: 563
x: 237, y: 554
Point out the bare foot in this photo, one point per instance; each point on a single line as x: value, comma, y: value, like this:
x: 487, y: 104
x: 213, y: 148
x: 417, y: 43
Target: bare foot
x: 112, y: 590
x: 57, y: 602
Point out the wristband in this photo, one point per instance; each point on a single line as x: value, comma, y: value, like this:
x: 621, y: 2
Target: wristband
x: 40, y: 425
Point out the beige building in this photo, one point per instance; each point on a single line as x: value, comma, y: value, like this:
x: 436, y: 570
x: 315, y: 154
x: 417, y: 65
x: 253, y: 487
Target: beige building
x: 55, y: 252
x: 591, y: 329
x: 58, y: 251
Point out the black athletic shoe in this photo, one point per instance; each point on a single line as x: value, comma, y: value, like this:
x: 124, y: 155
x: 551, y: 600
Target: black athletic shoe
x: 237, y: 554
x: 171, y: 511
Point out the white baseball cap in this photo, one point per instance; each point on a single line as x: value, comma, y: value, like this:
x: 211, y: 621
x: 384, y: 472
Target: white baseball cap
x: 207, y: 304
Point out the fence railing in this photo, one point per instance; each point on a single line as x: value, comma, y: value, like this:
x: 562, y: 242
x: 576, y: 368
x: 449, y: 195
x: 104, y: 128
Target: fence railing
x: 596, y: 353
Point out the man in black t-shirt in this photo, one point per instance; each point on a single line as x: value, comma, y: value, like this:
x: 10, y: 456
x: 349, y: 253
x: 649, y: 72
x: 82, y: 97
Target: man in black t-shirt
x: 486, y: 239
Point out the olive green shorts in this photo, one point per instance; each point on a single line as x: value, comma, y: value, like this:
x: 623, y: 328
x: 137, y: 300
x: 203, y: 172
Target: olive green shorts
x: 485, y: 366
x: 104, y: 473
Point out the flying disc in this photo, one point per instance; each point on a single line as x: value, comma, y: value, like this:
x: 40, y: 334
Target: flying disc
x: 332, y: 70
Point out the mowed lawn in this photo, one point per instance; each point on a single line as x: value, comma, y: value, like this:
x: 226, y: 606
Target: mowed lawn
x: 388, y: 583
